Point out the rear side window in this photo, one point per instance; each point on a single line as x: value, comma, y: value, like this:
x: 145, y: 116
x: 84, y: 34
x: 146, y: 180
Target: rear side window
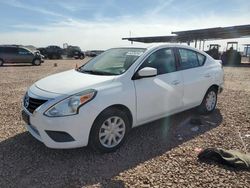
x: 190, y: 59
x: 201, y: 58
x: 10, y: 50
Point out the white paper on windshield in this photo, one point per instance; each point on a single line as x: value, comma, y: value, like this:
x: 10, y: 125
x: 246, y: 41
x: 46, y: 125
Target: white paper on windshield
x: 134, y: 53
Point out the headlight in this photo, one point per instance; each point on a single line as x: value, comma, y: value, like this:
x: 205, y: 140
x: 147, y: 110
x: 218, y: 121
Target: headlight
x: 70, y: 105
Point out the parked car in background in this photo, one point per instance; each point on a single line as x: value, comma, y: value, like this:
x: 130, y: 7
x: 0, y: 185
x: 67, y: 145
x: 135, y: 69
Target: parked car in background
x: 98, y: 103
x: 19, y: 54
x: 52, y: 52
x: 43, y: 52
x: 94, y: 53
x: 74, y: 52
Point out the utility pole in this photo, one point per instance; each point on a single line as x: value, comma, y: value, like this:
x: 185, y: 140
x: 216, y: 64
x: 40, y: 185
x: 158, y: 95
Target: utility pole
x: 130, y: 33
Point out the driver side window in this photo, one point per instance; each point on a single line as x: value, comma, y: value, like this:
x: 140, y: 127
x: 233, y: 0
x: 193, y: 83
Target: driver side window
x: 163, y: 60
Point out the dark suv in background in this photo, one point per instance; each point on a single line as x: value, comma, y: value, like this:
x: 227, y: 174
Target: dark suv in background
x: 52, y: 52
x: 74, y: 52
x: 55, y: 52
x: 19, y: 54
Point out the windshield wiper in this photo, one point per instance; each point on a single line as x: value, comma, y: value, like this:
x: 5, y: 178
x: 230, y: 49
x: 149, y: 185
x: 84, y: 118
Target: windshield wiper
x: 95, y: 72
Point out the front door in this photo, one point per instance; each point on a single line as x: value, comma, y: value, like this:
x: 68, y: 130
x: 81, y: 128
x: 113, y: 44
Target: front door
x: 160, y: 95
x: 24, y: 56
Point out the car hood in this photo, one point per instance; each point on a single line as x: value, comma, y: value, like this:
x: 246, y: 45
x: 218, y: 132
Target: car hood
x: 71, y: 82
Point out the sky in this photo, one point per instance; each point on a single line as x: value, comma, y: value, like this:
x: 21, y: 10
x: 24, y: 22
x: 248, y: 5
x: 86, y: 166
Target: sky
x: 100, y: 24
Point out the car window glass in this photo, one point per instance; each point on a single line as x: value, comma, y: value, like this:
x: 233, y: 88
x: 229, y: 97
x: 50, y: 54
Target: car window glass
x: 163, y: 60
x: 11, y: 50
x: 23, y: 51
x: 188, y: 59
x: 201, y: 58
x: 120, y: 58
x: 114, y: 61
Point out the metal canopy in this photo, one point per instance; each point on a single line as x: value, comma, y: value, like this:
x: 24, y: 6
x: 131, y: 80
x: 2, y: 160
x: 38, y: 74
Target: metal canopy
x: 199, y: 34
x: 215, y: 33
x: 152, y: 39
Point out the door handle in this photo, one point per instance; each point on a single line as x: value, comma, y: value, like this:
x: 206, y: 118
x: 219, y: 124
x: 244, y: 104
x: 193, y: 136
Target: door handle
x: 207, y: 75
x: 175, y: 82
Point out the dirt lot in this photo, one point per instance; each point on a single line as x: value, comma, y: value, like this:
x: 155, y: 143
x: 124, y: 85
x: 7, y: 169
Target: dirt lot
x: 160, y: 154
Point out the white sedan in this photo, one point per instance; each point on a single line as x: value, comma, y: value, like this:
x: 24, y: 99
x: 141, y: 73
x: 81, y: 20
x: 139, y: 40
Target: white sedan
x: 98, y: 103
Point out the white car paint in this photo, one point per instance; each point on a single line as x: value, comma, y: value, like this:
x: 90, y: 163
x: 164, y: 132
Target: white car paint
x: 147, y: 99
x: 71, y: 82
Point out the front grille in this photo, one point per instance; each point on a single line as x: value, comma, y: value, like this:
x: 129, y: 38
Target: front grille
x: 31, y: 104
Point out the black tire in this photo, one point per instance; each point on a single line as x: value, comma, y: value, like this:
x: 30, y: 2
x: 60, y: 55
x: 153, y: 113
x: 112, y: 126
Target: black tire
x: 59, y: 56
x: 94, y: 140
x: 1, y: 62
x: 81, y: 56
x: 36, y: 62
x: 204, y: 107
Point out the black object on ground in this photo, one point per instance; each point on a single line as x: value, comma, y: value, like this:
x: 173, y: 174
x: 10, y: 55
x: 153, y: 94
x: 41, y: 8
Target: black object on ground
x: 230, y: 158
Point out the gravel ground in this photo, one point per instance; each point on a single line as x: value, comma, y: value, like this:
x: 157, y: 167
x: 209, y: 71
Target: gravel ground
x: 159, y: 154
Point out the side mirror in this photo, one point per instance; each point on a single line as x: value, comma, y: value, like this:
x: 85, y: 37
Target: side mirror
x: 145, y: 72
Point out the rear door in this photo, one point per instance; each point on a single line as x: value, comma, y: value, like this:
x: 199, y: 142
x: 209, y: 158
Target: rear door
x: 9, y: 54
x: 196, y: 76
x: 160, y: 95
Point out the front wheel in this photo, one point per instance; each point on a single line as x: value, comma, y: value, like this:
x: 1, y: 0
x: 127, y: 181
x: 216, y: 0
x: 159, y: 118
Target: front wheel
x: 109, y: 130
x: 209, y: 102
x: 36, y: 62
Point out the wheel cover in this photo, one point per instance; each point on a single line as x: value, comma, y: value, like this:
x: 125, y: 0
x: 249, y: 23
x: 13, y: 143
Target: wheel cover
x: 112, y: 131
x: 211, y: 100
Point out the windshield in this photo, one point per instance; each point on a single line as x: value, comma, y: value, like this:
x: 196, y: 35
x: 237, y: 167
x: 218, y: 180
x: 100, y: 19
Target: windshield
x: 112, y: 62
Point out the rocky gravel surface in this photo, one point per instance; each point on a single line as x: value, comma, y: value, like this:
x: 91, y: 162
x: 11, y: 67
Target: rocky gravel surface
x: 159, y: 154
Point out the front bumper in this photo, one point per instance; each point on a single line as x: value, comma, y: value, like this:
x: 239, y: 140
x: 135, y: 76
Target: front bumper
x: 60, y: 132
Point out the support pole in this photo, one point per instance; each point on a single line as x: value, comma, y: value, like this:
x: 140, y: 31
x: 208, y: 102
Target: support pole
x: 200, y: 45
x: 247, y: 53
x: 203, y: 45
x: 195, y: 44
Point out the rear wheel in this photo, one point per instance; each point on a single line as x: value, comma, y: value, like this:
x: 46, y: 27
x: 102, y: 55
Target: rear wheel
x: 36, y: 62
x: 209, y: 102
x: 1, y: 62
x: 109, y: 130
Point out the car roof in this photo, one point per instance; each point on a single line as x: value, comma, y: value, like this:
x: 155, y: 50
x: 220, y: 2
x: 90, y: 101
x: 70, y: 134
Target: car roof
x: 15, y: 46
x: 164, y: 45
x: 10, y: 46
